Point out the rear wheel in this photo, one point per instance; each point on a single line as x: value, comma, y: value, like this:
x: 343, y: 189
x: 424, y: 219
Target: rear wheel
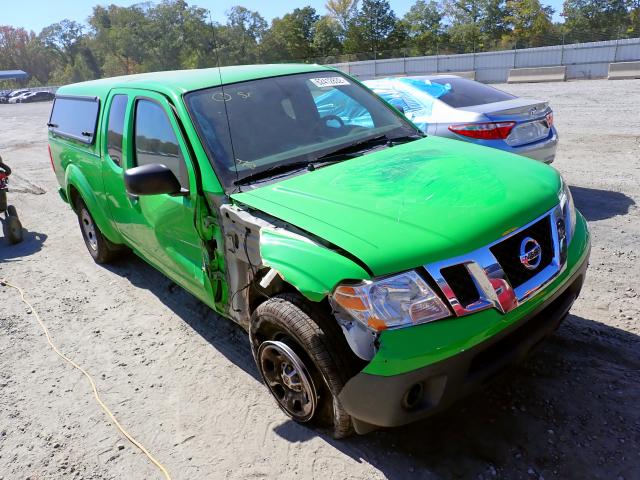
x: 101, y: 249
x: 301, y: 355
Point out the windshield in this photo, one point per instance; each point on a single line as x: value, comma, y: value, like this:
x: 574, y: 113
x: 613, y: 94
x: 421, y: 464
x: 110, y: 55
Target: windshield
x: 459, y: 92
x: 284, y: 120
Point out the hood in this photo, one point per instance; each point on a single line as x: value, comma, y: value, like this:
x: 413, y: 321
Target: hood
x: 413, y: 204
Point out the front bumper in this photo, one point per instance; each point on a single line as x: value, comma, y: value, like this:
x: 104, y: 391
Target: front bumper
x: 418, y: 393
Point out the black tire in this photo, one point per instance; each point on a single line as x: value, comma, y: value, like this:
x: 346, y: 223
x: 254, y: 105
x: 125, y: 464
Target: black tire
x: 101, y: 249
x: 3, y: 200
x: 14, y: 228
x: 320, y: 345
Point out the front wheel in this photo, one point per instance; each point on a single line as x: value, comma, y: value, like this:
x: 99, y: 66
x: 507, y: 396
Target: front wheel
x: 301, y: 355
x: 3, y: 200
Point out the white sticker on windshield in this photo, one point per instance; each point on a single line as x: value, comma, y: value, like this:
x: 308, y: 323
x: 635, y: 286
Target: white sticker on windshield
x: 329, y: 81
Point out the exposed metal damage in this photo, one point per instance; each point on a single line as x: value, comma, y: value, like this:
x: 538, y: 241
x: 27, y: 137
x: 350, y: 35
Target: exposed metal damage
x: 263, y: 257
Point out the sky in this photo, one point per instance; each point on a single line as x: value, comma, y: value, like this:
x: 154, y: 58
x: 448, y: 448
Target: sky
x: 36, y: 14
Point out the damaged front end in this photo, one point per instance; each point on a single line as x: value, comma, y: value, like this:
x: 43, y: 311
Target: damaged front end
x: 265, y: 256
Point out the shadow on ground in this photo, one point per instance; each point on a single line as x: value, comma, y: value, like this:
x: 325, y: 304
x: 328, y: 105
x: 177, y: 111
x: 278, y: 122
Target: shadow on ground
x: 558, y: 415
x: 223, y: 334
x: 31, y: 243
x: 597, y: 204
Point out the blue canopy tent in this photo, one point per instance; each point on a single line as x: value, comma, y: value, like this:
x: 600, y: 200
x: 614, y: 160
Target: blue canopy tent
x: 13, y: 75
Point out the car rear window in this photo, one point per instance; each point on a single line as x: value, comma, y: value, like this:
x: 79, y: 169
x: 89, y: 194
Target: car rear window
x: 75, y: 117
x: 467, y: 93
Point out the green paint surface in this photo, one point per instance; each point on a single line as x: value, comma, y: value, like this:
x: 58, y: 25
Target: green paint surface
x: 408, y: 205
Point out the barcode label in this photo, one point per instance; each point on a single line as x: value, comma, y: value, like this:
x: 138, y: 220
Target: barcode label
x: 329, y: 81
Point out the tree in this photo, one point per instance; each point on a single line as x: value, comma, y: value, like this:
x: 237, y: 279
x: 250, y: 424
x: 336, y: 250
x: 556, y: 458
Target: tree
x: 476, y: 25
x: 326, y: 36
x: 343, y: 11
x: 530, y: 20
x: 595, y: 19
x: 423, y: 23
x: 371, y: 27
x: 123, y: 37
x: 291, y: 37
x: 24, y: 50
x: 243, y: 33
x: 64, y: 37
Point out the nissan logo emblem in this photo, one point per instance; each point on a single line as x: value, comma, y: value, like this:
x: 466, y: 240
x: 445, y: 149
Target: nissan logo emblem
x: 530, y: 253
x: 533, y: 111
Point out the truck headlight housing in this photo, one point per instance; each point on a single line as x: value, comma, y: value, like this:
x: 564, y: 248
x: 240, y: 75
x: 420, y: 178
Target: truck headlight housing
x: 391, y: 302
x: 568, y: 209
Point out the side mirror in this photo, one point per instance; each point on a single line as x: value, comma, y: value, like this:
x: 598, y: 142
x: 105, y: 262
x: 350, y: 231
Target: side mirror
x: 152, y: 179
x: 397, y: 104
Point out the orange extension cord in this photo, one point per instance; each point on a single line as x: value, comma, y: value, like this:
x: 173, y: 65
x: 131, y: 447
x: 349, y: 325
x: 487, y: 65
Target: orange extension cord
x: 91, y: 381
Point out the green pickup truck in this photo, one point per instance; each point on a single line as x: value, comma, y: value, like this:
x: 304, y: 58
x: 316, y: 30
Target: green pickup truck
x: 380, y: 275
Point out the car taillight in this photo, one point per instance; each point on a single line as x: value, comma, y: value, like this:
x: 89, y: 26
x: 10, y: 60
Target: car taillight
x: 484, y: 131
x: 549, y: 118
x: 51, y: 159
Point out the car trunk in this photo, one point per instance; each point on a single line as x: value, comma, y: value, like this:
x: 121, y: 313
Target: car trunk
x: 530, y: 116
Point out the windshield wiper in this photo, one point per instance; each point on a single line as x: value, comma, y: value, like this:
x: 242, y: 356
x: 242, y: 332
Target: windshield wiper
x: 269, y: 172
x: 344, y: 153
x: 358, y: 148
x: 407, y: 138
x: 352, y: 150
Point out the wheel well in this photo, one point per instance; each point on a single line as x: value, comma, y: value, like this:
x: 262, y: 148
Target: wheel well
x: 74, y: 195
x: 322, y: 314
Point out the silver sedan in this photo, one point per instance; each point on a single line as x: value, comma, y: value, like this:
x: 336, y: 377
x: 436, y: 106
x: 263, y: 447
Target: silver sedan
x: 455, y: 107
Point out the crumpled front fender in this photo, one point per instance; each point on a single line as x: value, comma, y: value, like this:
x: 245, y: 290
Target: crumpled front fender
x: 313, y: 269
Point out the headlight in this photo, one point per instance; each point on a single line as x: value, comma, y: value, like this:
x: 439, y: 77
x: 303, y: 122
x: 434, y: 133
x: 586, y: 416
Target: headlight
x: 392, y: 302
x: 568, y: 209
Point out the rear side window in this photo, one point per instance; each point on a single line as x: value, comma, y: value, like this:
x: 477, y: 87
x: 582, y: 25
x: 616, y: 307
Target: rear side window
x: 116, y: 127
x: 465, y: 93
x: 156, y: 141
x: 75, y: 117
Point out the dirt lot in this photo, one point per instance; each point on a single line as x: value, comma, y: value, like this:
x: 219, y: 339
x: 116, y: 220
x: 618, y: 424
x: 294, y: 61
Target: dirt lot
x: 183, y: 381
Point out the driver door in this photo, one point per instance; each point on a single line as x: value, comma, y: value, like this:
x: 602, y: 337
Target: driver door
x: 161, y: 228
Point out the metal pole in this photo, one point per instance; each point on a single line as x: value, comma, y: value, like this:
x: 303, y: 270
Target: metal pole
x: 562, y: 52
x: 404, y: 61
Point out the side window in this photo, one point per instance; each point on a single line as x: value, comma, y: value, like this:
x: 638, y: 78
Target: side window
x: 74, y: 117
x: 116, y: 127
x: 155, y: 140
x: 335, y: 102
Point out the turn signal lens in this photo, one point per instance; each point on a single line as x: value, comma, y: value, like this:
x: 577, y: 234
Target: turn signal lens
x: 549, y: 118
x: 484, y: 131
x: 347, y: 298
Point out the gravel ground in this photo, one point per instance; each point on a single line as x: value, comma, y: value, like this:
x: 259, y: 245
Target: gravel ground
x: 183, y: 381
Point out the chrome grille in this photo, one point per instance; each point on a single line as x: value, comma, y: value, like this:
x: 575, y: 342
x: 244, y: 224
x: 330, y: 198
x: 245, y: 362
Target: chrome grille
x: 492, y: 270
x: 507, y: 252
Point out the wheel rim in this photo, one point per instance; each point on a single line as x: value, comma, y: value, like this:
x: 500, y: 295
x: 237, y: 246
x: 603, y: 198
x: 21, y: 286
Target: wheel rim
x: 89, y: 229
x: 288, y: 379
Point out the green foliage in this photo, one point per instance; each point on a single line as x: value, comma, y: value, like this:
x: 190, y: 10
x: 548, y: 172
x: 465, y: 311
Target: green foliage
x: 370, y: 29
x: 423, y: 23
x: 599, y: 18
x: 530, y: 20
x: 173, y: 34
